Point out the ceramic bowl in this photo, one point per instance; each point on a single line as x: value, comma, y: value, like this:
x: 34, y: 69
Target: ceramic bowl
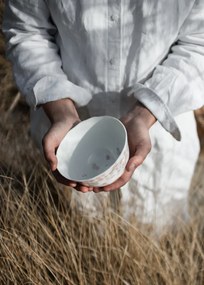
x: 94, y: 152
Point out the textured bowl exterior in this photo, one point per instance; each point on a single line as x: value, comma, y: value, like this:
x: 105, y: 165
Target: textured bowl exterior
x: 113, y: 173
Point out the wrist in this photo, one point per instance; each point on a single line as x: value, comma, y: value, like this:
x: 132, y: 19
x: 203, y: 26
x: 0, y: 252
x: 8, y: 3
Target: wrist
x: 60, y: 110
x: 140, y: 112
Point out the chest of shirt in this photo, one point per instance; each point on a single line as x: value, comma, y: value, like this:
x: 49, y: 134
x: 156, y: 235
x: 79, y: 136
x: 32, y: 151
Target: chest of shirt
x: 130, y: 16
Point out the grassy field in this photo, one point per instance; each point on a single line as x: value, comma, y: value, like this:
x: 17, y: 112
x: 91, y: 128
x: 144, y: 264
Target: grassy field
x: 43, y: 241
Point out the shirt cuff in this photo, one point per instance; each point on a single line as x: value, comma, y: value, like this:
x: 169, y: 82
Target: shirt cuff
x: 52, y: 88
x: 157, y: 107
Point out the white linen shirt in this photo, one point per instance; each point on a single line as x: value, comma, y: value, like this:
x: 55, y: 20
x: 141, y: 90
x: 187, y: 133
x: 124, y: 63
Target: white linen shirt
x: 105, y: 54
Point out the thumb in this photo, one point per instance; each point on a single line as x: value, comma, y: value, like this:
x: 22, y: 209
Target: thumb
x: 139, y: 156
x: 49, y: 152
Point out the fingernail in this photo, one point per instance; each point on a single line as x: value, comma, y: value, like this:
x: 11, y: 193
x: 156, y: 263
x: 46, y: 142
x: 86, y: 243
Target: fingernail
x: 73, y: 185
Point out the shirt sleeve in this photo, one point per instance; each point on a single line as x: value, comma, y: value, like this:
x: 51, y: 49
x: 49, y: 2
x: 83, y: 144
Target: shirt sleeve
x: 31, y: 47
x: 177, y: 85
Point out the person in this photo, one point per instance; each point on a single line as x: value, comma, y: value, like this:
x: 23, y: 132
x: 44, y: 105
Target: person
x: 141, y: 61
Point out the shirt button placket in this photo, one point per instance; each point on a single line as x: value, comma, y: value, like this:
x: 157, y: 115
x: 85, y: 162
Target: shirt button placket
x: 114, y: 42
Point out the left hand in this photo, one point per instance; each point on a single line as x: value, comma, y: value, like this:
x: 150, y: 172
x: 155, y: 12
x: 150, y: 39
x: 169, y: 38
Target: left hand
x: 137, y: 123
x: 63, y: 116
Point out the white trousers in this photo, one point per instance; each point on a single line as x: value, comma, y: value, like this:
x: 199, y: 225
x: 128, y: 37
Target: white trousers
x: 158, y: 190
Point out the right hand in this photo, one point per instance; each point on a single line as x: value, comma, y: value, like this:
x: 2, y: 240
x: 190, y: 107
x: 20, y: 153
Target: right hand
x: 63, y: 116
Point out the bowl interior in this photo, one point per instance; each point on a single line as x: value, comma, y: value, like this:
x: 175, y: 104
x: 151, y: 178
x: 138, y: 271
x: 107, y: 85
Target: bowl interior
x: 91, y: 148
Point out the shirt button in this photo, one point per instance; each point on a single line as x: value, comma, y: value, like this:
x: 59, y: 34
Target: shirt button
x: 111, y: 61
x: 113, y: 18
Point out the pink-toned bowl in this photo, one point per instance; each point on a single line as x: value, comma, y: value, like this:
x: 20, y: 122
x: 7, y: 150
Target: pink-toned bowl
x: 95, y: 152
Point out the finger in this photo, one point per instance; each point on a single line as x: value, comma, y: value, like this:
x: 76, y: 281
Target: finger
x: 97, y: 189
x: 90, y: 188
x: 72, y: 184
x: 132, y: 164
x: 81, y: 188
x: 137, y: 159
x: 63, y: 180
x: 120, y: 182
x: 49, y: 152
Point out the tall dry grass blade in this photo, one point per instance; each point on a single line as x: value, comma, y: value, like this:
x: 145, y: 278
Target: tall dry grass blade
x: 14, y: 103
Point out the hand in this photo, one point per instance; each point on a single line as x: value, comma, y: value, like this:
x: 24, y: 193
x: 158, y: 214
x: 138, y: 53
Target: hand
x: 63, y: 116
x: 137, y: 123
